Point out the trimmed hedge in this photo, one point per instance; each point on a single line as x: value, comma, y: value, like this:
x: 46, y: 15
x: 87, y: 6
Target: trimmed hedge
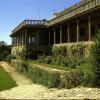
x: 50, y: 78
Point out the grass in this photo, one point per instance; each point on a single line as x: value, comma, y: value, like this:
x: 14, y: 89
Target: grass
x: 6, y: 82
x: 50, y: 65
x: 86, y: 67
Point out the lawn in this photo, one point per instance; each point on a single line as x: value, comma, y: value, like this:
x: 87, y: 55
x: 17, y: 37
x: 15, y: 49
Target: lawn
x: 86, y: 67
x: 6, y: 82
x: 50, y: 65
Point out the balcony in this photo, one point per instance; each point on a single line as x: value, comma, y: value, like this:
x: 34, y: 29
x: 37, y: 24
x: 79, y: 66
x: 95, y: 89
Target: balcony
x: 81, y: 7
x: 28, y: 23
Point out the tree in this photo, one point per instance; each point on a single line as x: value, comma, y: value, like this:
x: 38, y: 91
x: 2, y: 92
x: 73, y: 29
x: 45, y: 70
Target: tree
x: 95, y: 59
x: 2, y: 43
x: 5, y: 50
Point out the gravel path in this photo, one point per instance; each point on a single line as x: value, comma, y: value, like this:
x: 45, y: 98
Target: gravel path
x: 20, y: 79
x: 27, y: 90
x: 39, y: 92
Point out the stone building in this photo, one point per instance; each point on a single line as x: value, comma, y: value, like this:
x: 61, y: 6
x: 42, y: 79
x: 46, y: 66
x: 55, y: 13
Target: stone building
x: 73, y: 25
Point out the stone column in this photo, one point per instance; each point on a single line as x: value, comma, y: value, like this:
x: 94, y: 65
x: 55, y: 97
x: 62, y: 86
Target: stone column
x: 54, y: 36
x: 16, y: 40
x: 13, y: 41
x: 89, y: 27
x: 19, y: 39
x: 77, y: 30
x: 49, y: 37
x: 68, y: 31
x: 25, y: 36
x: 22, y: 38
x: 60, y: 34
x: 37, y: 36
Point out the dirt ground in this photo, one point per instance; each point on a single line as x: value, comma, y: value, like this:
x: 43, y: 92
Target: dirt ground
x: 20, y: 79
x: 27, y: 90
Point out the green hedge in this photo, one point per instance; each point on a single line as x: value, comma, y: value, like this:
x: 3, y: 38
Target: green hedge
x: 52, y: 78
x: 60, y: 56
x: 61, y: 50
x: 72, y: 78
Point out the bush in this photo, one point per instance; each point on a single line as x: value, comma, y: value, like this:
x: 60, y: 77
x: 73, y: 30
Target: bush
x: 22, y: 67
x: 41, y: 76
x: 78, y: 50
x: 59, y: 51
x: 95, y: 59
x: 51, y: 78
x: 60, y: 60
x: 72, y: 62
x: 4, y: 52
x: 88, y: 79
x: 9, y: 57
x: 72, y: 78
x: 45, y: 59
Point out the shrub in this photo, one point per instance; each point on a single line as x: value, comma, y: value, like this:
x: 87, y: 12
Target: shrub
x: 56, y: 51
x: 88, y: 79
x: 45, y: 59
x: 72, y: 62
x: 95, y: 59
x: 47, y: 78
x: 72, y: 78
x: 60, y: 60
x: 64, y: 61
x: 78, y: 50
x: 9, y: 57
x: 51, y: 78
x: 22, y: 67
x: 4, y: 52
x: 41, y: 58
x: 39, y: 75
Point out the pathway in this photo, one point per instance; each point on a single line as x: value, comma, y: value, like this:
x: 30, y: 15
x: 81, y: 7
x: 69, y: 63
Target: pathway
x: 19, y: 78
x: 27, y: 90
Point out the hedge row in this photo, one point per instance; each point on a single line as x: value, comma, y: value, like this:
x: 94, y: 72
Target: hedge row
x: 51, y: 78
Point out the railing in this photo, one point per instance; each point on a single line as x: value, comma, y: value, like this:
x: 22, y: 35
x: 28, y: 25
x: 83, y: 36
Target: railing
x: 30, y: 22
x: 80, y: 7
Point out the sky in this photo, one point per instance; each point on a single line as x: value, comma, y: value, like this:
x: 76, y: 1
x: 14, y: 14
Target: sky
x: 13, y: 12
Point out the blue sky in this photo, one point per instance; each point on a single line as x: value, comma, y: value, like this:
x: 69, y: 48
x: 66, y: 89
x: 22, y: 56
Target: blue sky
x: 12, y: 12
